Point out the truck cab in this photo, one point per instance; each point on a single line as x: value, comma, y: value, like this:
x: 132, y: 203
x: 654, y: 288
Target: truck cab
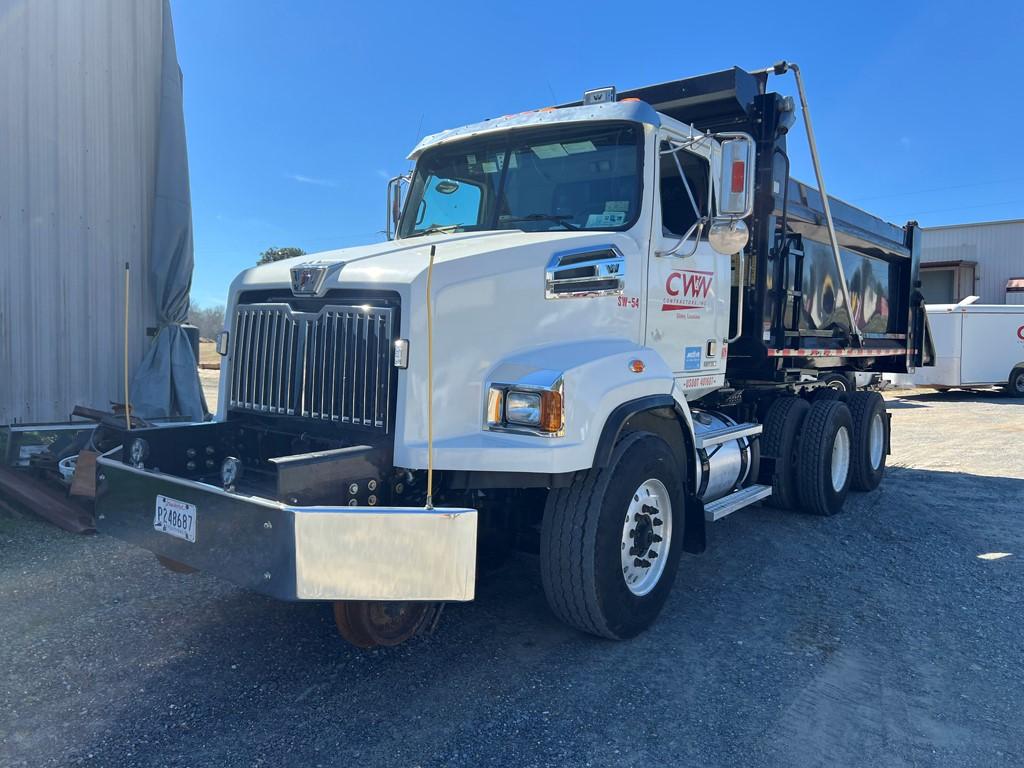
x: 588, y: 333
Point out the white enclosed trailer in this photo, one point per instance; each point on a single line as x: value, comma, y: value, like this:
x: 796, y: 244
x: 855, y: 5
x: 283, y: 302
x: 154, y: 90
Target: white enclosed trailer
x: 976, y: 345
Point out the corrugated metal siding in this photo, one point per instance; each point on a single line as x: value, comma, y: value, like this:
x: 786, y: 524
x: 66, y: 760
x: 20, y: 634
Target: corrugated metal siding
x: 997, y: 247
x: 79, y: 90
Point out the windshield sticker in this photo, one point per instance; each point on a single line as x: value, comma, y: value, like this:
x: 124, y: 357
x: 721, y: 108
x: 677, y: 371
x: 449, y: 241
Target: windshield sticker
x: 546, y: 151
x: 471, y: 159
x: 606, y: 219
x: 575, y: 147
x: 490, y: 167
x: 616, y: 205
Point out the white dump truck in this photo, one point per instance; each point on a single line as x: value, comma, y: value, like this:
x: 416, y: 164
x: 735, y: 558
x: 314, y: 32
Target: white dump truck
x: 593, y: 330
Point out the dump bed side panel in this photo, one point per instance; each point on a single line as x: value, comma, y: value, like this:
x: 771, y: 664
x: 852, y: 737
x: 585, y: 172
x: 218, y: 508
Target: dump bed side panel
x: 795, y: 316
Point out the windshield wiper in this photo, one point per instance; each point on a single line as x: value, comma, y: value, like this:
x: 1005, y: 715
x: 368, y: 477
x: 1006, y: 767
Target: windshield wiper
x: 433, y: 229
x: 558, y: 219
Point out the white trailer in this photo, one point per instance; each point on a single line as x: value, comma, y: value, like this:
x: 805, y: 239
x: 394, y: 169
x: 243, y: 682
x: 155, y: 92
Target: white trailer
x: 976, y: 345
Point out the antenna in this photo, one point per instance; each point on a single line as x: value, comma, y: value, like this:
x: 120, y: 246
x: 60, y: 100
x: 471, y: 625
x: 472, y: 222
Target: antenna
x: 127, y: 407
x: 430, y: 384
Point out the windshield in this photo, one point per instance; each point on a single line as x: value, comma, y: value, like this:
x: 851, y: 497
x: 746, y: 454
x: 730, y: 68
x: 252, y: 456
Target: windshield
x: 572, y: 177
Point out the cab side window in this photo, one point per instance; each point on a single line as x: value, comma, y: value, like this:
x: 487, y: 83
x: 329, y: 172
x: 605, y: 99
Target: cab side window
x: 677, y: 212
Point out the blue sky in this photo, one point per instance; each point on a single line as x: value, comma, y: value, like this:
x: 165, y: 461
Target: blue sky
x: 298, y: 112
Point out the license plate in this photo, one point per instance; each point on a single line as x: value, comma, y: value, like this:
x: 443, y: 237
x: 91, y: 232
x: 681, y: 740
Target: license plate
x: 178, y: 518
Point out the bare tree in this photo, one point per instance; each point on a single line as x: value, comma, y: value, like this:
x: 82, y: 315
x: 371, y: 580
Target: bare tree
x: 209, y: 320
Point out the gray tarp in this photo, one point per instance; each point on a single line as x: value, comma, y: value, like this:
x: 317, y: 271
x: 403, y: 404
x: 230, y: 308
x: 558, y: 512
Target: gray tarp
x: 167, y: 382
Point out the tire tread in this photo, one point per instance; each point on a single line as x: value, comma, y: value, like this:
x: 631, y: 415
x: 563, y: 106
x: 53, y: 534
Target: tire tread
x: 860, y: 405
x: 567, y: 573
x: 809, y: 457
x: 772, y: 439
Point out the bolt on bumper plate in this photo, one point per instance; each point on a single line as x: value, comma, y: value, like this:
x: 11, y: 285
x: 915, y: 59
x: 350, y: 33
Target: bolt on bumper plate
x: 293, y: 552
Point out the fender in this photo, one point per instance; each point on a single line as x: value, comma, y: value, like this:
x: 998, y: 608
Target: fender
x: 669, y: 418
x: 596, y: 377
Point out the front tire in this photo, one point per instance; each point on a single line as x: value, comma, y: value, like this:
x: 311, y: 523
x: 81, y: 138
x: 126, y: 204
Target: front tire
x: 595, y: 577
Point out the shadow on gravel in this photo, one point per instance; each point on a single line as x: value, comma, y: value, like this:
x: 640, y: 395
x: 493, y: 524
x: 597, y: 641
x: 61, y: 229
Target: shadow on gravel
x: 994, y: 396
x: 793, y: 637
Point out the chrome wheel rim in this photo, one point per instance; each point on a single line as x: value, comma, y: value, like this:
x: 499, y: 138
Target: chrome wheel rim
x: 1019, y: 383
x: 646, y: 537
x: 876, y: 440
x: 840, y: 459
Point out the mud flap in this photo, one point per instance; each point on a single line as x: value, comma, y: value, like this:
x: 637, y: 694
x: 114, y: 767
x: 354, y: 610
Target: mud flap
x: 694, y: 535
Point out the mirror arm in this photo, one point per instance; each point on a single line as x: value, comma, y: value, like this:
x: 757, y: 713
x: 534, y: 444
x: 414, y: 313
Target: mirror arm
x: 699, y: 227
x: 393, y: 204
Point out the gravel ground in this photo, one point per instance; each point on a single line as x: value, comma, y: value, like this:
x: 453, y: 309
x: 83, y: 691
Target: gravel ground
x: 877, y: 637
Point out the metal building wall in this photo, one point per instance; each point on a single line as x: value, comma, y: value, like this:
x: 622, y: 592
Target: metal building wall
x: 79, y: 90
x: 997, y: 247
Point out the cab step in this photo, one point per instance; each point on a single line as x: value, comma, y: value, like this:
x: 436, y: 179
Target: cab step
x: 744, y: 497
x: 725, y: 434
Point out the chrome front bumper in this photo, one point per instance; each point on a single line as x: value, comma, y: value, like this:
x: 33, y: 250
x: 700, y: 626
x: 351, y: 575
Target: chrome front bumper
x: 293, y: 552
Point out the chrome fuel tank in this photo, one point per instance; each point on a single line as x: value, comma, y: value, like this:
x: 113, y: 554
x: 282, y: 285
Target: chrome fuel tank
x: 725, y: 466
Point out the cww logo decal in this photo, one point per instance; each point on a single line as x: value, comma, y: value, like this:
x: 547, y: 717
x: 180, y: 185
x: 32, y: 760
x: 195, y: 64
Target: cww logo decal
x: 687, y: 289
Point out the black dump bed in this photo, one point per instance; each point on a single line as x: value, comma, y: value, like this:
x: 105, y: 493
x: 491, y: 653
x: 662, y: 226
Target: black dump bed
x: 795, y: 316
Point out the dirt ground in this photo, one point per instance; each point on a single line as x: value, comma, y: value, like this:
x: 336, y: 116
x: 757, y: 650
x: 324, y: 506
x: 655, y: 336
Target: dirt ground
x: 888, y: 635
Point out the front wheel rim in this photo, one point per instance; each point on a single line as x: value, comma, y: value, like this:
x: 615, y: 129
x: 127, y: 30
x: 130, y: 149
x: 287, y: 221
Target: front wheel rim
x: 840, y: 459
x: 1019, y: 383
x: 876, y: 440
x: 646, y: 537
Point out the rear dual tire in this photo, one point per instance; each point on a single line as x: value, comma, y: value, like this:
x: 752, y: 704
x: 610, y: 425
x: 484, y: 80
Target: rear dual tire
x: 813, y: 452
x: 870, y: 440
x: 824, y: 458
x: 779, y: 442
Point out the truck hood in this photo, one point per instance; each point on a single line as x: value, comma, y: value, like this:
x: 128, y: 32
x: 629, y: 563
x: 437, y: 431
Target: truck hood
x: 399, y: 262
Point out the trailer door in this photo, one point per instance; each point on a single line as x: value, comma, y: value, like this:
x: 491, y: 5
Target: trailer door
x: 990, y: 345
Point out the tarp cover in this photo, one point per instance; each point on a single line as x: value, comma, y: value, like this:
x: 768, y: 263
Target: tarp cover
x: 167, y: 381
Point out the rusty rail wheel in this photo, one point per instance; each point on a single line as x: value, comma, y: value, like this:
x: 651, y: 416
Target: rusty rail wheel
x: 374, y: 623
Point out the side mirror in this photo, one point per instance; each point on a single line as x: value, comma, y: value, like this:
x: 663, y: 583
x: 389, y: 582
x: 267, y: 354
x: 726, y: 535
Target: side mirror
x: 728, y: 236
x: 394, y: 207
x: 735, y: 199
x: 736, y: 179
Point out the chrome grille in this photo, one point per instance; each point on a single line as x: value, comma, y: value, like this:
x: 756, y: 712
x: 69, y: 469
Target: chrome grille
x: 332, y: 365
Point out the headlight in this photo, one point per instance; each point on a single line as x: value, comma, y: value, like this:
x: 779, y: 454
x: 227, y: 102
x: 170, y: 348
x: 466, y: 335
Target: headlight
x: 536, y: 410
x: 523, y: 408
x: 138, y: 452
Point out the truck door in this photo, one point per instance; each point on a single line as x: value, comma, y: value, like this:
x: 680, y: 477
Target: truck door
x: 687, y: 318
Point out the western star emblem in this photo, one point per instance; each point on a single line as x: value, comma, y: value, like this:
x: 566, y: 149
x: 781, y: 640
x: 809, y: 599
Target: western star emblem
x: 308, y: 279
